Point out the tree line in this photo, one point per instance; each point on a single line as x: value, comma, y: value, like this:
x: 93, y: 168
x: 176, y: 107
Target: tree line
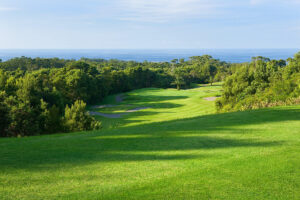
x: 262, y: 83
x: 44, y: 96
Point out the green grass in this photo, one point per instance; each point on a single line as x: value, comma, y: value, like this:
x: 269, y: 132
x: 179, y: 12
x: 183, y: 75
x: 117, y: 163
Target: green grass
x: 164, y: 105
x: 178, y: 149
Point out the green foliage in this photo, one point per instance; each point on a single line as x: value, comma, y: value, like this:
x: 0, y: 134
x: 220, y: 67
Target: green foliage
x: 29, y: 64
x: 25, y: 120
x: 179, y: 79
x: 33, y: 102
x: 77, y: 119
x: 4, y: 115
x: 37, y: 91
x: 262, y: 83
x: 53, y: 122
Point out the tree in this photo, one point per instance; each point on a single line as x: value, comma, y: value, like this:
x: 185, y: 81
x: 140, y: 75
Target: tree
x: 25, y: 120
x: 77, y: 119
x: 174, y: 61
x: 179, y: 78
x: 181, y: 61
x: 262, y: 83
x: 212, y: 69
x: 4, y: 115
x: 37, y: 90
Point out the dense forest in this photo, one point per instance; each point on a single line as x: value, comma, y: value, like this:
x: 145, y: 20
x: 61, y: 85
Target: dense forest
x: 43, y: 96
x: 262, y: 83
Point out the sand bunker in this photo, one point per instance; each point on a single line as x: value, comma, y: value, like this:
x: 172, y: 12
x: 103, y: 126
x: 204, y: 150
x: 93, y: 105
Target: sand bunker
x: 107, y: 115
x: 210, y: 98
x: 119, y: 99
x: 137, y: 109
x: 104, y: 106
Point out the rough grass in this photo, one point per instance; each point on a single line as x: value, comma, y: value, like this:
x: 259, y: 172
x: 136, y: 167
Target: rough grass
x: 178, y: 149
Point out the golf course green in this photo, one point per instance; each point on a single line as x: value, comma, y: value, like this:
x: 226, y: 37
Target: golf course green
x: 175, y: 146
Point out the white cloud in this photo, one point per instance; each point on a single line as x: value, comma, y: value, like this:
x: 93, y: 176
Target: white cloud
x: 166, y: 10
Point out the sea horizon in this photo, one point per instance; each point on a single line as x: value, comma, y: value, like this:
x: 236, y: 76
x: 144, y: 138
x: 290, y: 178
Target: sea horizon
x: 232, y: 55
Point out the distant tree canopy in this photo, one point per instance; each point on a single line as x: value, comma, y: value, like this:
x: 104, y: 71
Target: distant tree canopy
x: 262, y: 83
x: 42, y: 96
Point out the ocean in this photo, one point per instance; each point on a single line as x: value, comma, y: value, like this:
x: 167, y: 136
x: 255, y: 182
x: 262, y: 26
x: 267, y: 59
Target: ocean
x: 228, y: 55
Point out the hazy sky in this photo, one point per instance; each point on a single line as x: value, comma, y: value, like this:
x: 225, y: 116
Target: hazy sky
x: 154, y: 24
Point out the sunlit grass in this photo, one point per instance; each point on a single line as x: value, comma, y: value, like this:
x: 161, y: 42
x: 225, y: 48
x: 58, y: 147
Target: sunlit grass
x: 177, y: 149
x: 164, y: 105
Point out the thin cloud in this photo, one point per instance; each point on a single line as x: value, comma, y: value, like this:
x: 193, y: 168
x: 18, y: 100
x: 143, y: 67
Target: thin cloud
x: 258, y: 2
x: 166, y: 10
x: 2, y: 8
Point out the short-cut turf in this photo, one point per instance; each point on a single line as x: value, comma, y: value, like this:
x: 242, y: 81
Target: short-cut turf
x: 177, y: 149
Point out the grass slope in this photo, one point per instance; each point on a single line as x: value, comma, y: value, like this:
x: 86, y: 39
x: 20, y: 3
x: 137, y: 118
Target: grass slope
x: 178, y: 149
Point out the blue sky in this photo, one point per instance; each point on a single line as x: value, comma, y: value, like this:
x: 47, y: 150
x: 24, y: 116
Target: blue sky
x: 149, y: 24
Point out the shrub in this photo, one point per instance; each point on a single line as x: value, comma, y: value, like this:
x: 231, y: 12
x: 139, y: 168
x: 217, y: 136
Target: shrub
x: 77, y: 119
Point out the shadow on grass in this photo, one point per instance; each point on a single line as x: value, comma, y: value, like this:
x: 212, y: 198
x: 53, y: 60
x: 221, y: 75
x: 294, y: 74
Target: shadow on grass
x: 217, y: 122
x: 124, y: 117
x: 86, y: 150
x: 141, y: 99
x: 142, y: 142
x: 135, y: 100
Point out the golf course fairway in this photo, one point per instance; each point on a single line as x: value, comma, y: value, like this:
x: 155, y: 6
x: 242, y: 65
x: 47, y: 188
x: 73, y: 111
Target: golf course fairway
x: 176, y: 147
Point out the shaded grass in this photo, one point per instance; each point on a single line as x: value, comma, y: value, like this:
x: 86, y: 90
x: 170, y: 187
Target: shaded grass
x: 178, y: 149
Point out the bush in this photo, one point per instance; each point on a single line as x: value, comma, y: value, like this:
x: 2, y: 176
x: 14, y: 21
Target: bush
x: 77, y: 119
x: 25, y: 120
